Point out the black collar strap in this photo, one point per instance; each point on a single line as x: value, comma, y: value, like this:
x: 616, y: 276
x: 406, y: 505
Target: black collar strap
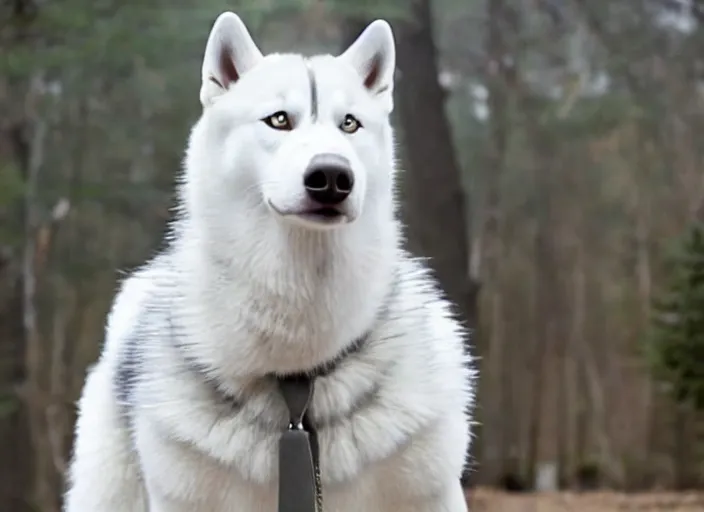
x: 326, y: 368
x: 300, y: 488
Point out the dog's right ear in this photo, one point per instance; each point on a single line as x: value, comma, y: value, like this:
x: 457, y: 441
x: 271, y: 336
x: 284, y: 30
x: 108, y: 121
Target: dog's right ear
x: 229, y: 54
x: 373, y: 56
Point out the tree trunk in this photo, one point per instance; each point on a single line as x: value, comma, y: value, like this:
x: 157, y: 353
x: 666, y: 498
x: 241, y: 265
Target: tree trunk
x: 433, y: 200
x: 17, y: 461
x: 492, y: 387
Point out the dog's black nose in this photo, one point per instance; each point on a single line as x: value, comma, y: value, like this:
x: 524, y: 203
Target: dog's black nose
x: 328, y: 179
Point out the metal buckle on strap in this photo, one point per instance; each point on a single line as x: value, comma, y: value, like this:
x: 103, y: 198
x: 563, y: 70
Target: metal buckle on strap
x: 300, y: 487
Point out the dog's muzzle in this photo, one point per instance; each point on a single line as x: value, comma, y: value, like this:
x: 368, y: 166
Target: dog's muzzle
x: 328, y: 181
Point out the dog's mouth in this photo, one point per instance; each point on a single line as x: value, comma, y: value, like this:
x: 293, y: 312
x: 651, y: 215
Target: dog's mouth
x: 326, y: 212
x: 316, y: 216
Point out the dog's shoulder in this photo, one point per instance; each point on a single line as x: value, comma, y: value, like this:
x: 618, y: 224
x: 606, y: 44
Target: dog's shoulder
x: 412, y: 380
x: 136, y: 315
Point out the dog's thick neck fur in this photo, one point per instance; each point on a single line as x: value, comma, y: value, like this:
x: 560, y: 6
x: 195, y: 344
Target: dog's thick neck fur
x: 277, y: 298
x: 260, y: 294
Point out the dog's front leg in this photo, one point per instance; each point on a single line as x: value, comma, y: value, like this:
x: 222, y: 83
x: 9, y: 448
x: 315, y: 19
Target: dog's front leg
x: 159, y: 504
x: 104, y: 474
x: 452, y: 499
x: 156, y: 505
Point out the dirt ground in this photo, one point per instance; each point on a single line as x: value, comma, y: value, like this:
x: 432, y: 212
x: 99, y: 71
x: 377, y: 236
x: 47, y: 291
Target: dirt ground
x: 483, y: 500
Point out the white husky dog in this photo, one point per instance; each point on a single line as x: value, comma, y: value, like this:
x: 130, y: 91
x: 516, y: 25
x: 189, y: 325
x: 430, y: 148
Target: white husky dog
x: 285, y: 259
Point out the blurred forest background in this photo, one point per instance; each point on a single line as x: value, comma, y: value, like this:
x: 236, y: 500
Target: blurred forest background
x: 553, y: 159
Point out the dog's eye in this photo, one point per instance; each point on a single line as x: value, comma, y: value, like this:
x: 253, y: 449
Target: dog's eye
x: 351, y: 124
x: 279, y: 121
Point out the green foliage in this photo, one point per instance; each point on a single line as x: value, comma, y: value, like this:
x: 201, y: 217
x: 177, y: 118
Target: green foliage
x: 11, y: 193
x: 676, y: 349
x: 9, y: 404
x: 389, y: 9
x: 11, y: 184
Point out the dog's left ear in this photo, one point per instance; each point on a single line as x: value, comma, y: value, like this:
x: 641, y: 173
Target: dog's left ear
x: 229, y: 53
x: 373, y: 56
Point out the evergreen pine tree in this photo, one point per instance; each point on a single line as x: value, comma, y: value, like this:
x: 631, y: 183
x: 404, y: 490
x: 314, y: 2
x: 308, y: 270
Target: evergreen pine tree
x: 676, y: 347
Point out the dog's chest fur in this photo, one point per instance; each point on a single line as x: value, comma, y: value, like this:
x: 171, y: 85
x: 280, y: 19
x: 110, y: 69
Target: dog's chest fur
x: 202, y: 441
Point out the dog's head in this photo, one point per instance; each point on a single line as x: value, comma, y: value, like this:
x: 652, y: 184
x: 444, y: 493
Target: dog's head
x: 306, y: 141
